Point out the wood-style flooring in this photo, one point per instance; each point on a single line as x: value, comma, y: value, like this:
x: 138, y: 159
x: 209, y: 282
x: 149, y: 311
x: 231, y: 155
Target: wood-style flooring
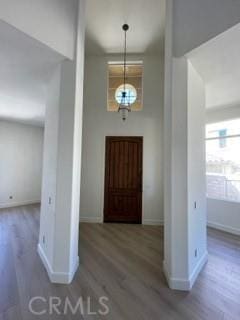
x: 120, y: 262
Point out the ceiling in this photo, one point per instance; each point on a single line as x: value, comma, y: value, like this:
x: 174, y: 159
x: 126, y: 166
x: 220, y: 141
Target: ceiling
x: 25, y: 65
x: 197, y: 21
x: 104, y: 26
x: 218, y: 63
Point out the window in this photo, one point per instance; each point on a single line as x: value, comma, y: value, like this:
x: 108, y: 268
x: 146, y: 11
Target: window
x: 133, y: 88
x: 222, y: 135
x: 223, y: 160
x: 131, y: 94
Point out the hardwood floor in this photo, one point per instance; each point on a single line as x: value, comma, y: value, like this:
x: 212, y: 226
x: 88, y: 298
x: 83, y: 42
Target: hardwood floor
x: 121, y: 262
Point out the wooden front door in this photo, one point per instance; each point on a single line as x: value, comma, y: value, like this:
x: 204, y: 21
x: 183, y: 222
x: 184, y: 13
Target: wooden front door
x: 123, y: 180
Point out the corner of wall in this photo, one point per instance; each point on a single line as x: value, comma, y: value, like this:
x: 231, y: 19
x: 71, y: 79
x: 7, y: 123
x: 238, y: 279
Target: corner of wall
x: 57, y: 277
x: 181, y: 283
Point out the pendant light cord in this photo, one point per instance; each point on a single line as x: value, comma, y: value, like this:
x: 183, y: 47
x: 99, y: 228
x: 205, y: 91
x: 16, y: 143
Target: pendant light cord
x: 125, y: 60
x: 123, y: 107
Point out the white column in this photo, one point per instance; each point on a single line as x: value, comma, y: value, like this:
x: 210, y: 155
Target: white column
x: 59, y: 221
x: 175, y: 218
x: 184, y: 168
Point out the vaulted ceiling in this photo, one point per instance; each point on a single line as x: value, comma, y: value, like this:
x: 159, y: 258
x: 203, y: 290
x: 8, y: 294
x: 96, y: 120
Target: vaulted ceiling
x: 25, y: 66
x: 218, y: 63
x: 25, y: 63
x: 105, y: 18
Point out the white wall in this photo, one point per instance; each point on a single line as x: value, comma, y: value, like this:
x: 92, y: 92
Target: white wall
x: 21, y: 148
x: 50, y: 22
x: 49, y: 180
x: 98, y: 123
x: 224, y: 215
x: 181, y: 267
x: 222, y: 114
x: 197, y: 239
x: 56, y: 210
x: 167, y: 128
x: 59, y: 220
x: 56, y: 221
x: 187, y: 231
x: 179, y: 183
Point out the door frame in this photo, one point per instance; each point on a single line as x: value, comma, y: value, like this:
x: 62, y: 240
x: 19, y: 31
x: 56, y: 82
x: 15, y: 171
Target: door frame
x: 141, y: 138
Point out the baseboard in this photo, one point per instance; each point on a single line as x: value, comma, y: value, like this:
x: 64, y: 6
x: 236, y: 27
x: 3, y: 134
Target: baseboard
x: 185, y: 284
x: 201, y: 263
x: 91, y: 219
x: 175, y: 283
x: 152, y: 222
x: 57, y: 277
x: 221, y: 227
x: 18, y: 204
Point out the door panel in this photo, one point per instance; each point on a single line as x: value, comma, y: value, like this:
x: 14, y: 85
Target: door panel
x: 123, y: 180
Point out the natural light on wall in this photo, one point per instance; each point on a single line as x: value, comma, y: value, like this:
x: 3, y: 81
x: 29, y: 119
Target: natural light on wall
x: 133, y: 86
x: 223, y: 160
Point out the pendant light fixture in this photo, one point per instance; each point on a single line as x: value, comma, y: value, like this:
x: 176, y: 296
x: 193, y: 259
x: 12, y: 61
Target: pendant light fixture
x: 124, y: 105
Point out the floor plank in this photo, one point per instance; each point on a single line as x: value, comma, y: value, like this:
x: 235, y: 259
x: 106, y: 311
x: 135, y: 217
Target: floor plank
x: 121, y: 262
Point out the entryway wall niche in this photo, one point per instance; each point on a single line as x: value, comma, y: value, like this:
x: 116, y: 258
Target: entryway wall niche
x: 99, y: 123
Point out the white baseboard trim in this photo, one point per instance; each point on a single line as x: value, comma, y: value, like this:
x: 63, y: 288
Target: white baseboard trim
x: 185, y: 284
x: 175, y: 283
x: 221, y: 227
x: 18, y: 204
x: 151, y: 222
x: 57, y: 277
x: 91, y: 219
x: 201, y: 263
